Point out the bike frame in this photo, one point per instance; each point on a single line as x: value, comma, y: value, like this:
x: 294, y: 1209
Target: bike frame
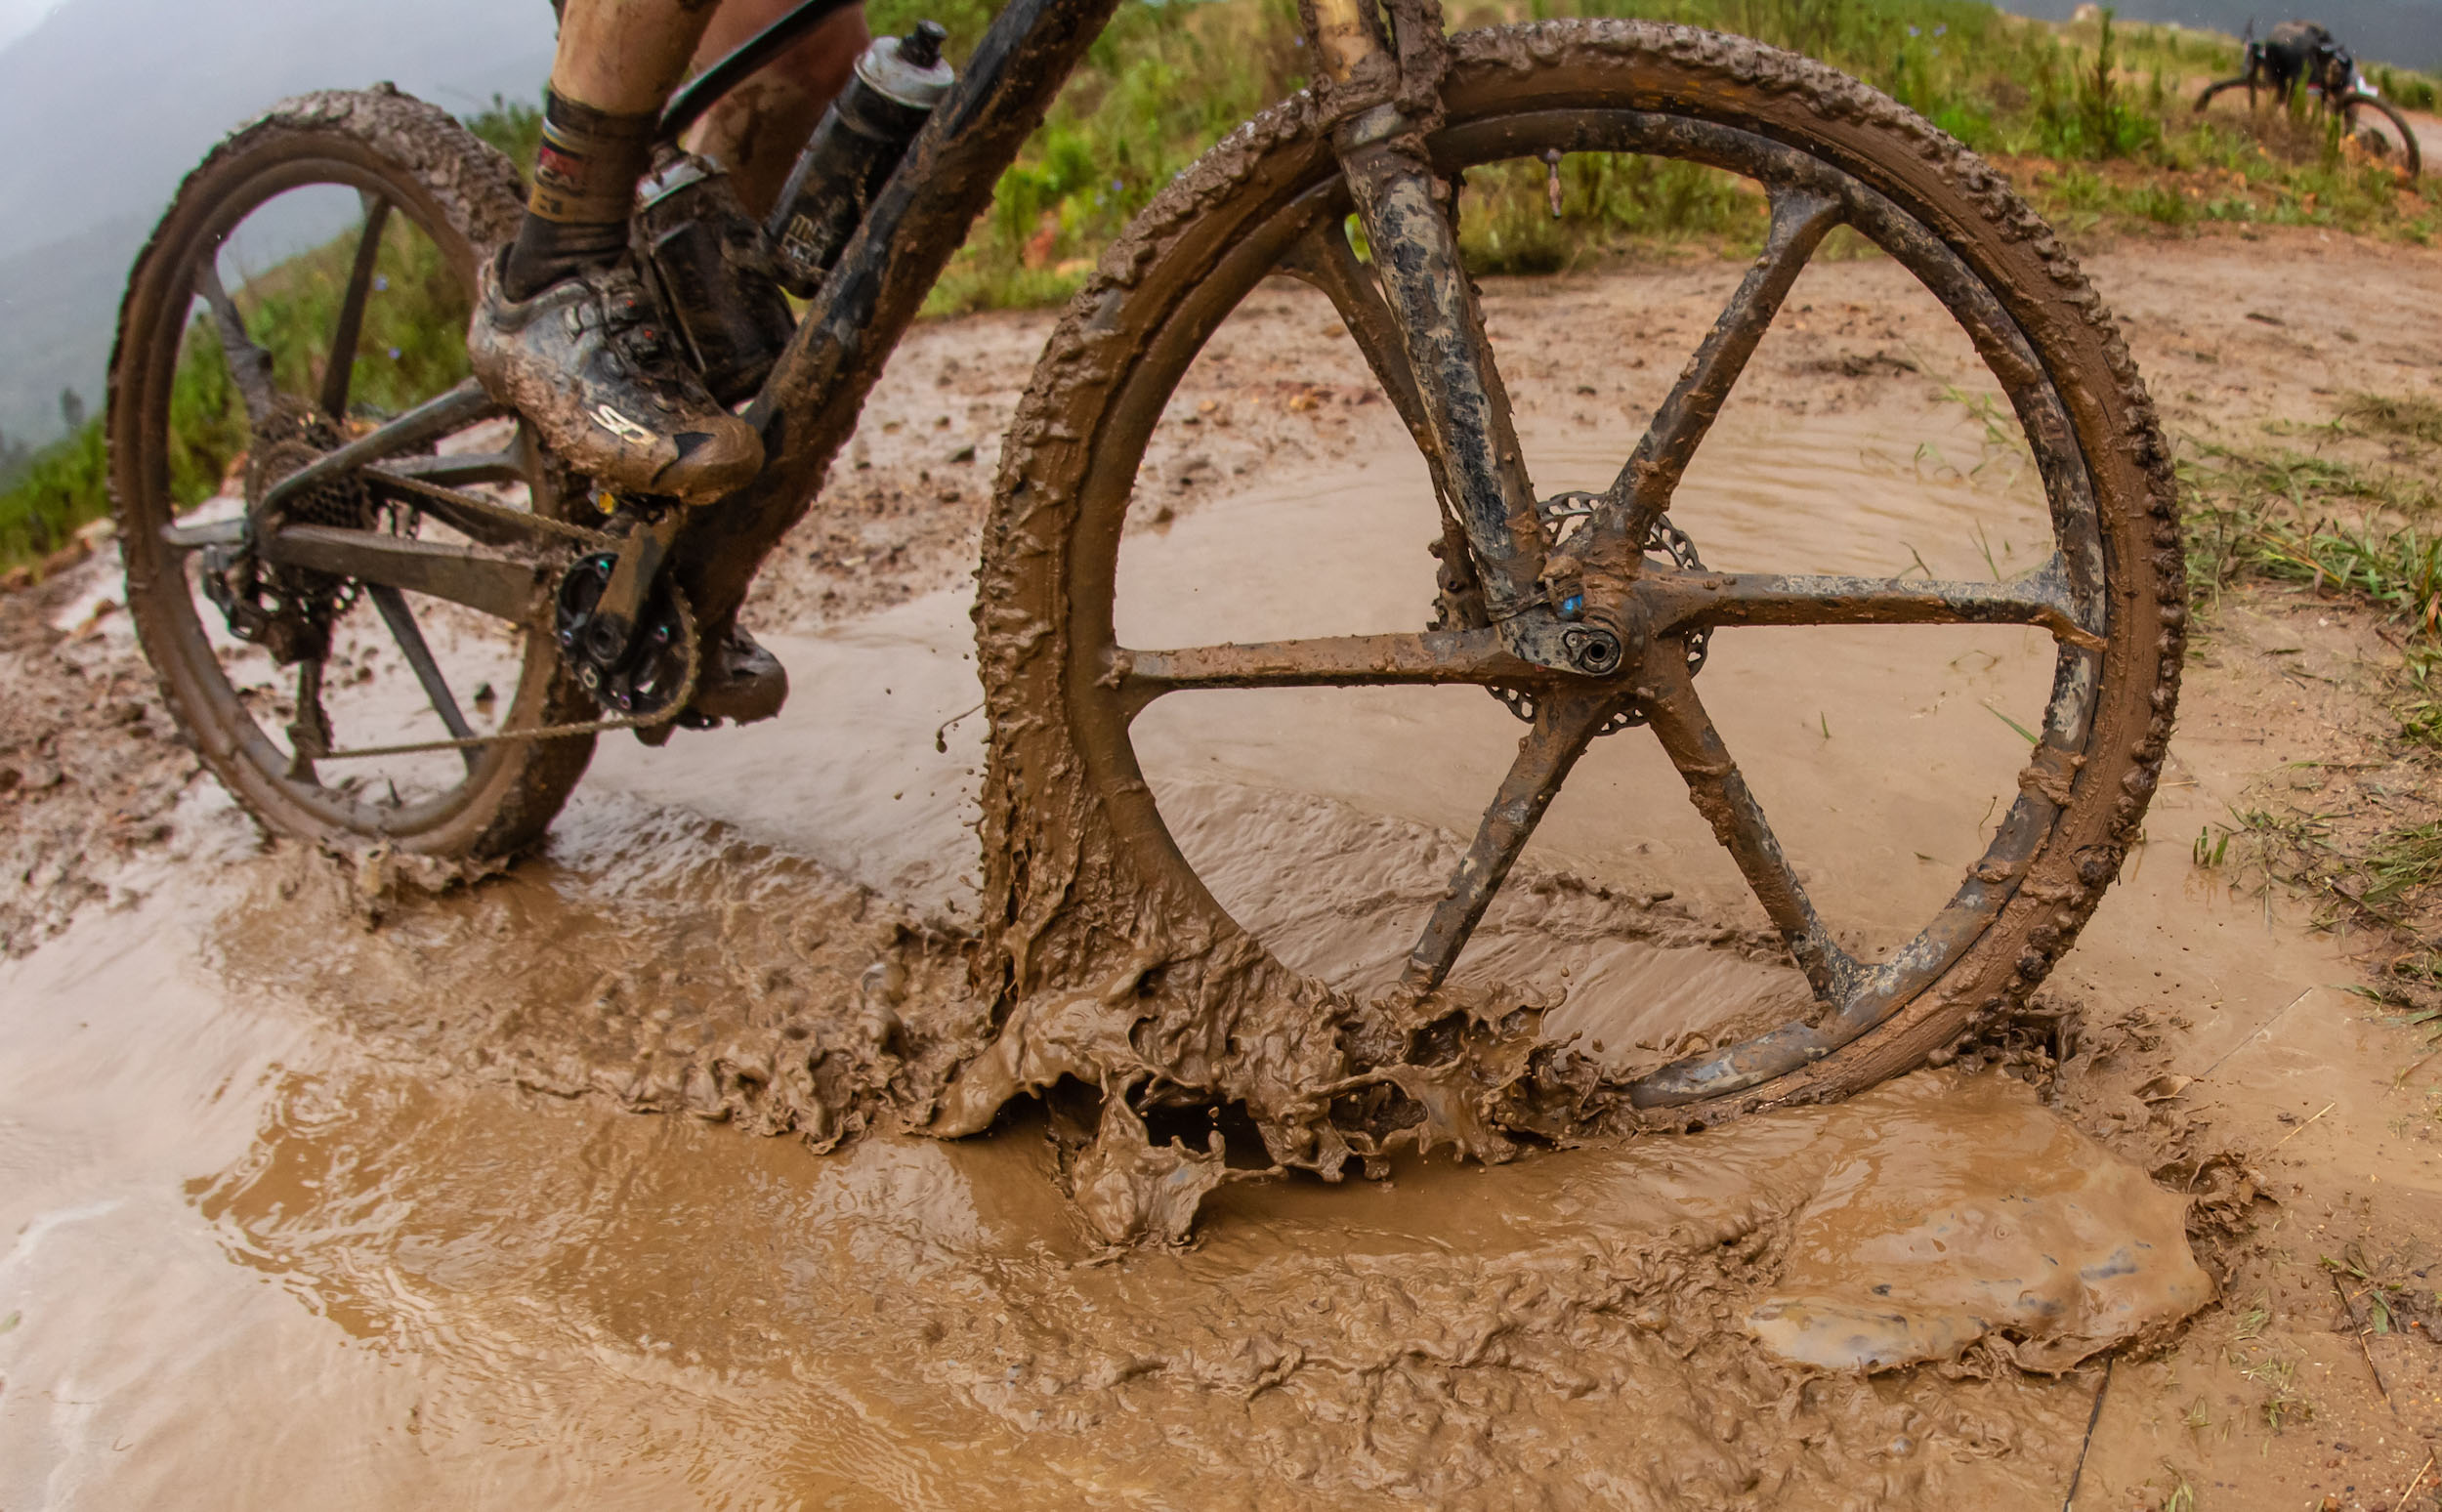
x: 809, y: 404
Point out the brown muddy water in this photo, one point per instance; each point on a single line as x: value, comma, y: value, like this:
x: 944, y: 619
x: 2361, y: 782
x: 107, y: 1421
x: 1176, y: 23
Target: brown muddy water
x: 307, y: 1272
x: 324, y: 1196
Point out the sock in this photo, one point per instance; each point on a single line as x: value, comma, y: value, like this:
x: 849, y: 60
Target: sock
x: 585, y: 186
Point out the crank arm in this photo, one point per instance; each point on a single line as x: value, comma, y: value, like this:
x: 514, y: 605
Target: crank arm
x: 642, y: 555
x: 509, y: 588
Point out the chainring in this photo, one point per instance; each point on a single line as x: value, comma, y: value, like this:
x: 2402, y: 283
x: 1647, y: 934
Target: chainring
x: 655, y: 673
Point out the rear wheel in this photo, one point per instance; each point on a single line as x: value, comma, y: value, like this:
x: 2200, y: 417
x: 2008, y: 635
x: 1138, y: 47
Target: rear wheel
x: 312, y: 278
x: 1114, y: 959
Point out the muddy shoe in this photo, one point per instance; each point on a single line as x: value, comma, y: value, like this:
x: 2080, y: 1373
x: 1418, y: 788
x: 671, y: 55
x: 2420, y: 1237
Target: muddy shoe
x: 587, y: 360
x: 741, y: 681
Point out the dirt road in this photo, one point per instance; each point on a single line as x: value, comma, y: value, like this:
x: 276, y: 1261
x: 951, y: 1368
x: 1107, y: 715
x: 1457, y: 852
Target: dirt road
x: 323, y: 1191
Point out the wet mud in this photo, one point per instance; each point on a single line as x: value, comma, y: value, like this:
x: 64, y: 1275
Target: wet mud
x: 326, y: 1189
x: 479, y: 1289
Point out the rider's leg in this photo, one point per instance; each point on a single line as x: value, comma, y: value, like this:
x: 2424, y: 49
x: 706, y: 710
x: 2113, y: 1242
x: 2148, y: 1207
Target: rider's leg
x: 618, y: 62
x: 757, y: 128
x: 565, y: 332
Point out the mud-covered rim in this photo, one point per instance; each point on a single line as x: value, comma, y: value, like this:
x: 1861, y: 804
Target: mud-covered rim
x: 1916, y: 241
x: 238, y: 739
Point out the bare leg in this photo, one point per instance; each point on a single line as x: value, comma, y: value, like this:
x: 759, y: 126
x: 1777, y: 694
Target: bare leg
x: 624, y: 57
x: 756, y: 130
x: 616, y: 62
x: 565, y: 331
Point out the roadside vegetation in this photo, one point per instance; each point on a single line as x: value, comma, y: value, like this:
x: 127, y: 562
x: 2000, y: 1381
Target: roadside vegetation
x: 2091, y: 119
x: 2364, y: 534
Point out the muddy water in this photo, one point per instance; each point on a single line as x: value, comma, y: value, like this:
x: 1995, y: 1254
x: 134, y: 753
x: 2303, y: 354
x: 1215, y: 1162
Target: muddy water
x: 308, y: 1213
x: 318, y: 1275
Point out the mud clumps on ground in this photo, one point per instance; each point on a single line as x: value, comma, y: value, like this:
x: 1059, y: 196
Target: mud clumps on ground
x: 1980, y: 1216
x: 2115, y: 1077
x: 713, y: 977
x: 90, y: 770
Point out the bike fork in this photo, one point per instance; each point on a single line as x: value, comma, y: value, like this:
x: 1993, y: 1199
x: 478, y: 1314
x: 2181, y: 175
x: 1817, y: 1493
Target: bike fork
x: 1466, y: 409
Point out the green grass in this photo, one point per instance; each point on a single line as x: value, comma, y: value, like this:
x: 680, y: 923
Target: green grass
x: 60, y: 488
x: 2094, y: 116
x: 2370, y: 534
x: 2404, y: 866
x: 2280, y: 516
x: 2413, y: 418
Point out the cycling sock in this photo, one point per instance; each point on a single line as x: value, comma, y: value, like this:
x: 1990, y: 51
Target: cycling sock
x: 585, y: 178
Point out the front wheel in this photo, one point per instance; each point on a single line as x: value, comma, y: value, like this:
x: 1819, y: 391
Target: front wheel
x: 1198, y: 891
x: 312, y: 278
x: 2220, y: 87
x: 2384, y: 133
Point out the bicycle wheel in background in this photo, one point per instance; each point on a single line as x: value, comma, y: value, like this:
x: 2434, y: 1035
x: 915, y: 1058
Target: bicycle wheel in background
x: 312, y: 279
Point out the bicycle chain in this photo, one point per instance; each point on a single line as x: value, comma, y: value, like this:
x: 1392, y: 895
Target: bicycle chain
x: 597, y: 539
x: 523, y: 519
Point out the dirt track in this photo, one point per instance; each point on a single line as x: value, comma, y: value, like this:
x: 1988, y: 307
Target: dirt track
x: 486, y: 1294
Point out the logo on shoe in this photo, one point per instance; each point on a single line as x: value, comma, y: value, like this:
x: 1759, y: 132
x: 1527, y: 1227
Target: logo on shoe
x: 622, y: 425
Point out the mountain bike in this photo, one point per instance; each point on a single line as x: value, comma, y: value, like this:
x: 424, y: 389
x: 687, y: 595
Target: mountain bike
x: 2341, y: 94
x: 516, y: 613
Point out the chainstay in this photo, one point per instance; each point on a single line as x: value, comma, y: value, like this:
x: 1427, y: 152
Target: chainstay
x: 528, y: 519
x: 477, y: 504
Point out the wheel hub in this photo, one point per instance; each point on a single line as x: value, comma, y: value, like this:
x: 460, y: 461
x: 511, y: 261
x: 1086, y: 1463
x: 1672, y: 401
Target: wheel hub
x: 1613, y: 612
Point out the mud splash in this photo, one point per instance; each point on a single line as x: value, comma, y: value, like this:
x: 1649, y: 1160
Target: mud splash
x: 1608, y: 954
x: 508, y: 1295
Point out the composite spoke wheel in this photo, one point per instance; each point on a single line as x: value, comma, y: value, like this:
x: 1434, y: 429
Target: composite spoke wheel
x: 310, y: 280
x: 1088, y: 882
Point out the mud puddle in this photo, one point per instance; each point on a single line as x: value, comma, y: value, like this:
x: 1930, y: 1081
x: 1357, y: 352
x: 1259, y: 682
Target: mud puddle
x: 415, y: 1204
x: 375, y: 1286
x: 308, y: 1209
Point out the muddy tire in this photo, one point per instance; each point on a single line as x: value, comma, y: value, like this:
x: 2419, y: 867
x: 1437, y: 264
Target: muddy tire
x: 1108, y: 959
x: 2394, y: 139
x: 448, y: 200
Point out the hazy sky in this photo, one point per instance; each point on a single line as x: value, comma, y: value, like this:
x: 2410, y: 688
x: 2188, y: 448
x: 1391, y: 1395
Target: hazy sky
x: 17, y: 16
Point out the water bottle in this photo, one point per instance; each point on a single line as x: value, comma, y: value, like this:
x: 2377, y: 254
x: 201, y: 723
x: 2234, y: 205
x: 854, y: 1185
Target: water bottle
x: 862, y: 135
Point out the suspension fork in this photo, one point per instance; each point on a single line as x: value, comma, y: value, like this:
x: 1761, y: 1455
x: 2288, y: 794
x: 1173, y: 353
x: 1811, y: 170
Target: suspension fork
x: 1467, y: 410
